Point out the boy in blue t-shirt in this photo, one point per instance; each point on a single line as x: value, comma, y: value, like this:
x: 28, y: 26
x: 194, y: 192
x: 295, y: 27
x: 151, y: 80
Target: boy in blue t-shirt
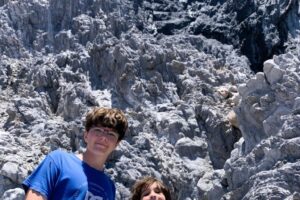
x: 63, y: 175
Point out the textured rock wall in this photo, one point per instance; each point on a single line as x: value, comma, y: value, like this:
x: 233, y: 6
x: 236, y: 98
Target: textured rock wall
x: 269, y: 120
x: 259, y: 29
x: 199, y: 118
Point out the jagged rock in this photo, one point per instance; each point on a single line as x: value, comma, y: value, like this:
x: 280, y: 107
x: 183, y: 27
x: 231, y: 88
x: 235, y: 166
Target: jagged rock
x: 186, y: 147
x: 211, y: 184
x: 271, y: 146
x: 273, y: 72
x: 14, y: 194
x: 13, y: 171
x: 163, y: 63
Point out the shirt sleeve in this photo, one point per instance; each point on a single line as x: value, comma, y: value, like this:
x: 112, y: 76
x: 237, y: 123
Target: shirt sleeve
x: 43, y: 179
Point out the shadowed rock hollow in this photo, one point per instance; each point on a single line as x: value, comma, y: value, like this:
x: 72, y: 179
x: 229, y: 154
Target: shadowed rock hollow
x: 184, y: 72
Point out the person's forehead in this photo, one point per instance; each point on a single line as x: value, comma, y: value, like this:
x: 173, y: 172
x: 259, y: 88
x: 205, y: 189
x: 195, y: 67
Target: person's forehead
x: 150, y: 186
x: 154, y: 185
x: 104, y: 128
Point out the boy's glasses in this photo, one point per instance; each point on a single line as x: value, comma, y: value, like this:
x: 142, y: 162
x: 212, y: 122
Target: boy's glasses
x: 105, y: 132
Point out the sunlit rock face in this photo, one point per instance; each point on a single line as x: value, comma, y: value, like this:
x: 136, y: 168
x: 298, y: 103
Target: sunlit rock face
x: 200, y: 118
x: 265, y: 162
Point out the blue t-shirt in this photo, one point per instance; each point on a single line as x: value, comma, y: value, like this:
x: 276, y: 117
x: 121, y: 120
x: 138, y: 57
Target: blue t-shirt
x: 63, y: 175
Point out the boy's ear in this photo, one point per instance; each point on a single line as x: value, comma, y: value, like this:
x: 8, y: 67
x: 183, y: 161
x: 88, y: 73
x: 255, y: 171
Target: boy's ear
x: 85, y: 136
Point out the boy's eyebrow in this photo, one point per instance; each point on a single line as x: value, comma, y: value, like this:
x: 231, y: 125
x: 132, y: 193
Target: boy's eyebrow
x: 111, y: 130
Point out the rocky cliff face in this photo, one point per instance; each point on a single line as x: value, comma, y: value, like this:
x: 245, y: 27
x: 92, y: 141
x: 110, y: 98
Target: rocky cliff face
x: 184, y: 73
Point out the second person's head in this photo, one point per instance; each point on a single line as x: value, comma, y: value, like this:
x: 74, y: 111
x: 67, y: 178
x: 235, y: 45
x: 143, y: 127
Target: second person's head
x: 150, y: 188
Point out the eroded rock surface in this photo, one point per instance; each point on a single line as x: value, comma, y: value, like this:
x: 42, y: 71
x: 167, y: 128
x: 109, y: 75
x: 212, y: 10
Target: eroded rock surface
x: 200, y: 119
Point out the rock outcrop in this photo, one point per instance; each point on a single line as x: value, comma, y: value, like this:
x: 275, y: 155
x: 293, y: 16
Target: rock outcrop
x: 265, y: 162
x: 184, y: 73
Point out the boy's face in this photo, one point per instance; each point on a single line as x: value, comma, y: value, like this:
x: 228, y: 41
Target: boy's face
x: 101, y: 140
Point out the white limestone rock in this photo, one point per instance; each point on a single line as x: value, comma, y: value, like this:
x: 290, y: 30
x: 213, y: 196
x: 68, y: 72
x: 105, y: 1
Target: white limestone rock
x: 163, y: 68
x: 191, y: 149
x: 13, y: 171
x: 272, y: 71
x: 14, y: 194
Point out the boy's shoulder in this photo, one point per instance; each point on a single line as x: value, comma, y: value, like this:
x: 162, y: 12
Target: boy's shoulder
x: 58, y: 153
